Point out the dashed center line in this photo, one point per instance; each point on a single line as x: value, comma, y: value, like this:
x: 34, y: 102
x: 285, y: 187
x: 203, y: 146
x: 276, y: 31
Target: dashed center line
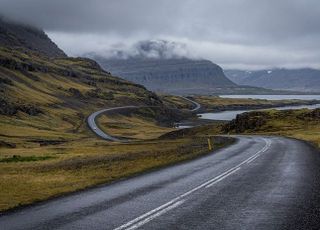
x: 147, y: 217
x: 225, y: 176
x: 151, y: 217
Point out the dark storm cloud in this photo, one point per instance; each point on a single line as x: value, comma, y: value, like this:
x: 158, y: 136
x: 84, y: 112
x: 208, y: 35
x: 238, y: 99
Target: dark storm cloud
x: 234, y: 33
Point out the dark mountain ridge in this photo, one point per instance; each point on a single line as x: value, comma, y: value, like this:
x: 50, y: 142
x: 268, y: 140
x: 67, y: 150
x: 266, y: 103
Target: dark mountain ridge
x: 304, y: 79
x: 165, y: 66
x: 173, y: 75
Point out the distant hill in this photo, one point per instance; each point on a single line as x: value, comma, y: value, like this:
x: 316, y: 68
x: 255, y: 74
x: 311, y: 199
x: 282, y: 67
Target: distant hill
x: 304, y: 80
x: 173, y: 75
x: 15, y: 35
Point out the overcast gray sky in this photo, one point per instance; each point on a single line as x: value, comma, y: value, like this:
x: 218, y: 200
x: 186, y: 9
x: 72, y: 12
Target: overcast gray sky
x: 247, y: 34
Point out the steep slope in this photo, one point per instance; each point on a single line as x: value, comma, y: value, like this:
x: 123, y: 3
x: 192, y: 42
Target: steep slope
x: 16, y: 35
x: 46, y: 96
x: 307, y: 80
x: 174, y: 75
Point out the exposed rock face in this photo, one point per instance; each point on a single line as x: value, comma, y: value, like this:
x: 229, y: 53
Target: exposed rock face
x: 286, y: 122
x: 175, y: 75
x: 8, y: 108
x: 14, y: 35
x: 313, y: 115
x: 246, y: 121
x: 284, y: 79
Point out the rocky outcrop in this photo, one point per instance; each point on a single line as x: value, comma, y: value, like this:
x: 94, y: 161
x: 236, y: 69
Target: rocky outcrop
x: 9, y: 108
x: 313, y: 115
x: 246, y: 121
x: 268, y: 120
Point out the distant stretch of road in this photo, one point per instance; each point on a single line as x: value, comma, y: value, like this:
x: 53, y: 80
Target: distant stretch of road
x: 258, y: 183
x: 197, y: 106
x: 95, y: 128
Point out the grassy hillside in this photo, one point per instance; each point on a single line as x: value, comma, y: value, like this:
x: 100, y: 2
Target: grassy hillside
x: 46, y: 99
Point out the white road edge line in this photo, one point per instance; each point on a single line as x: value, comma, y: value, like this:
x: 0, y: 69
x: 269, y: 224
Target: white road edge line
x: 164, y: 206
x: 163, y: 211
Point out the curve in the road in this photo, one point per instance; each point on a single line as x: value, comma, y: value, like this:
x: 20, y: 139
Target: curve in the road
x: 197, y: 106
x: 257, y: 183
x: 95, y: 128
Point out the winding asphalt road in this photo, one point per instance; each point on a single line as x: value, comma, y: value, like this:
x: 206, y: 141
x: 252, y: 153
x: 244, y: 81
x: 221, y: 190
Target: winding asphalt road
x: 256, y: 183
x: 95, y: 128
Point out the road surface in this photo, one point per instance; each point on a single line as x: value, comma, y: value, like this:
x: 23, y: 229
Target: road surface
x: 257, y: 183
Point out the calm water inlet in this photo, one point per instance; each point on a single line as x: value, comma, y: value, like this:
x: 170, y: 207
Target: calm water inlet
x: 229, y: 115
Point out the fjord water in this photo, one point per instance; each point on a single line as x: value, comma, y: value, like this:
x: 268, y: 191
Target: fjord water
x: 229, y: 115
x: 275, y: 97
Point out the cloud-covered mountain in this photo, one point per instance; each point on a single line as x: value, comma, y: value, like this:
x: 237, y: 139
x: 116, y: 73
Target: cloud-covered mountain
x: 169, y: 75
x: 234, y: 34
x: 157, y: 49
x: 162, y: 66
x: 306, y: 80
x: 16, y: 35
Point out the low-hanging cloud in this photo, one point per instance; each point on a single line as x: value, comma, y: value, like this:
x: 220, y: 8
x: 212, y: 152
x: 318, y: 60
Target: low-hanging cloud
x: 236, y: 34
x: 158, y: 49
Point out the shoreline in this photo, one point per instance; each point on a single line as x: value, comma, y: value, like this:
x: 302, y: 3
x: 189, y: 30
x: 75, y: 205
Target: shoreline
x: 204, y: 121
x: 224, y: 108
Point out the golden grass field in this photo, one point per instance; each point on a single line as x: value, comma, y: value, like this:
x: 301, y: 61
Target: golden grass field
x: 83, y: 163
x: 132, y: 127
x: 55, y: 153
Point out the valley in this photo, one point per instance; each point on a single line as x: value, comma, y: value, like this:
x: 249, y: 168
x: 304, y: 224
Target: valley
x: 70, y: 126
